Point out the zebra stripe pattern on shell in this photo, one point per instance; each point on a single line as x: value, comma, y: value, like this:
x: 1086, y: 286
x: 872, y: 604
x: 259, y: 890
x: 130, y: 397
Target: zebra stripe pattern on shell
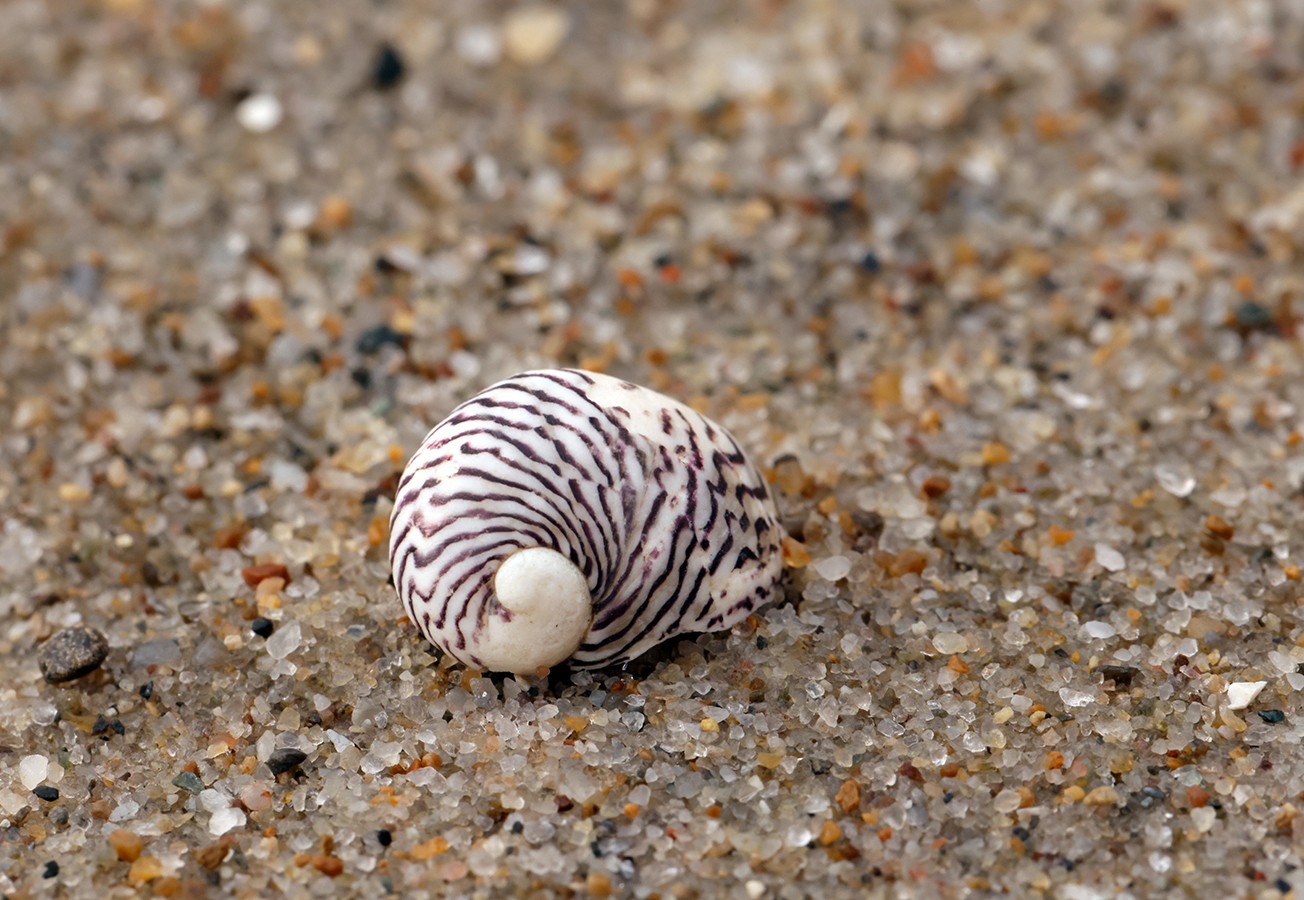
x: 568, y: 515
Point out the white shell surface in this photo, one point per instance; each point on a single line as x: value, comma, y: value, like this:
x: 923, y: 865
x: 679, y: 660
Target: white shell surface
x: 667, y: 524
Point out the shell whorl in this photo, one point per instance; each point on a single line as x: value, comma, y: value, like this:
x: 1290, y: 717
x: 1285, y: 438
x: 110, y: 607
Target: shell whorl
x: 656, y: 524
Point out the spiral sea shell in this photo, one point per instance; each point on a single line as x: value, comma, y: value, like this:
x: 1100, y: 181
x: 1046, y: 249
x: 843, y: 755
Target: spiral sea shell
x: 566, y: 515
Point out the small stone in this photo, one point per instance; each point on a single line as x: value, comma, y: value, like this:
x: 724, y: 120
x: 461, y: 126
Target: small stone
x: 848, y: 796
x: 479, y: 45
x: 429, y: 849
x: 1075, y: 698
x: 72, y: 653
x: 259, y: 113
x: 1272, y: 716
x: 1219, y: 527
x: 788, y: 474
x: 285, y: 641
x: 832, y: 568
x: 373, y: 339
x: 256, y: 796
x: 384, y: 838
x: 529, y: 260
x: 286, y: 759
x: 948, y: 642
x: 334, y: 213
x: 145, y: 869
x: 532, y: 33
x: 1175, y: 479
x: 253, y: 575
x: 262, y: 627
x: 1110, y: 559
x: 1101, y: 796
x: 1007, y: 801
x: 1203, y: 818
x: 388, y: 68
x: 1251, y: 315
x: 51, y: 870
x: 127, y: 845
x: 1099, y: 631
x: 224, y: 820
x: 330, y: 866
x: 32, y: 770
x: 213, y: 800
x: 211, y: 857
x: 1242, y: 693
x: 795, y: 554
x: 1121, y: 675
x: 935, y: 486
x: 71, y: 492
x: 1060, y: 536
x: 188, y: 782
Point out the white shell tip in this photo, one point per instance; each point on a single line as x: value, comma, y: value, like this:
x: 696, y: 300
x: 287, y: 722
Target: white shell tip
x: 548, y: 612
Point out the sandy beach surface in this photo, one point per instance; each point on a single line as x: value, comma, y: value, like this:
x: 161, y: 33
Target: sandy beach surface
x: 1004, y: 297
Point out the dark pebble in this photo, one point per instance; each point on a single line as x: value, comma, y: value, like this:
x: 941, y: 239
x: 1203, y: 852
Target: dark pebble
x: 1253, y: 315
x: 384, y: 838
x: 1272, y: 716
x: 103, y: 727
x: 188, y: 782
x: 72, y: 653
x: 262, y: 627
x: 388, y: 69
x: 46, y: 792
x: 371, y: 340
x: 285, y: 760
x: 150, y: 575
x: 869, y: 262
x: 870, y: 527
x: 51, y: 869
x: 146, y: 690
x: 1121, y: 675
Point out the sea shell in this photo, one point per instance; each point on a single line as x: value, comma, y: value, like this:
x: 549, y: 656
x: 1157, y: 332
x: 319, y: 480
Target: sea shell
x: 566, y: 515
